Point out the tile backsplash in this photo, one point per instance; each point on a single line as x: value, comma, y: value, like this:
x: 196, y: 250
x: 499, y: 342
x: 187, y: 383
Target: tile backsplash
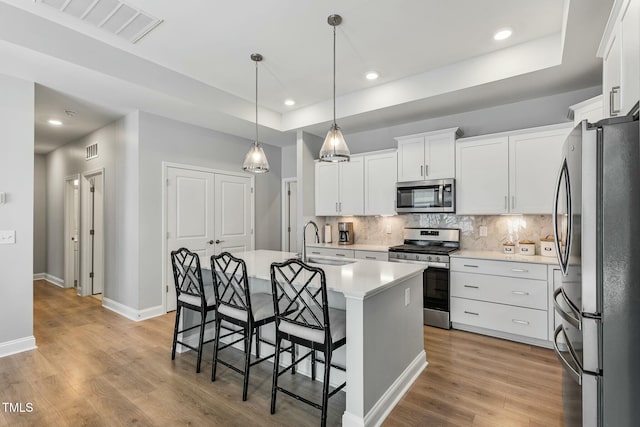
x: 500, y: 228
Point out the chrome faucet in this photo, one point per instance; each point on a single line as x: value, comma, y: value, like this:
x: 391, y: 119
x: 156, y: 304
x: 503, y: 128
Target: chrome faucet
x: 304, y: 239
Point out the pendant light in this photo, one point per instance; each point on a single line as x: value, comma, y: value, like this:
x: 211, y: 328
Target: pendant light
x: 334, y: 148
x: 256, y: 161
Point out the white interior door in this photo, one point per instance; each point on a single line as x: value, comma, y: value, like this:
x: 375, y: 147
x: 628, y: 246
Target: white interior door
x: 71, y: 231
x: 190, y: 223
x: 98, y: 235
x: 233, y: 213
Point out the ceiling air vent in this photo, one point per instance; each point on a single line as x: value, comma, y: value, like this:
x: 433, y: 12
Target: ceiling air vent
x: 116, y: 17
x: 91, y: 151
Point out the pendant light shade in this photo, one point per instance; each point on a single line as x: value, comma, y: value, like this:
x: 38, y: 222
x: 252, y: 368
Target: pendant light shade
x: 335, y: 147
x: 256, y: 161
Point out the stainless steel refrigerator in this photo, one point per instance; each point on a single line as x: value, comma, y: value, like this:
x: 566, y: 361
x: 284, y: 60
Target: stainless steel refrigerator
x: 597, y: 229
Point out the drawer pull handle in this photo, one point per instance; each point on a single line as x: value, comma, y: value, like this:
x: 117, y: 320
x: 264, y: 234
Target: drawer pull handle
x: 317, y: 253
x: 340, y: 255
x: 519, y: 270
x: 370, y: 257
x: 471, y: 286
x: 520, y: 293
x: 471, y: 312
x: 470, y: 265
x: 520, y: 322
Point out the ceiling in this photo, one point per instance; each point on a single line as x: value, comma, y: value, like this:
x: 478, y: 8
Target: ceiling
x: 433, y: 57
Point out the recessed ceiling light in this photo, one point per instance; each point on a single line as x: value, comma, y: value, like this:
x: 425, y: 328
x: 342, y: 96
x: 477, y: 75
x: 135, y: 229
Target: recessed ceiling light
x: 54, y: 122
x: 372, y: 75
x: 503, y: 34
x: 289, y: 102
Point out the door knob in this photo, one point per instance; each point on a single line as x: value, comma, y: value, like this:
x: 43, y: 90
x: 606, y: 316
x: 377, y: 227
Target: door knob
x: 219, y: 241
x: 210, y: 242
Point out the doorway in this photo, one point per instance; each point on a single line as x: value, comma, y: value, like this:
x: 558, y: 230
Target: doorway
x: 92, y: 232
x: 290, y: 215
x: 72, y: 231
x: 207, y: 212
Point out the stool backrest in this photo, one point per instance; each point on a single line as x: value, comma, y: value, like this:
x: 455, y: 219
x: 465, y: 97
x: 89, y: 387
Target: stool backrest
x: 230, y: 282
x: 294, y: 282
x: 187, y: 274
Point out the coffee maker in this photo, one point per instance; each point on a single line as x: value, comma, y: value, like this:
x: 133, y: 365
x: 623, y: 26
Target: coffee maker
x: 345, y: 233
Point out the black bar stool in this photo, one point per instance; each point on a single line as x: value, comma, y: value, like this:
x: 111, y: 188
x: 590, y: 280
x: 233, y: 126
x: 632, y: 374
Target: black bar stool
x: 315, y: 326
x: 190, y: 294
x: 238, y: 306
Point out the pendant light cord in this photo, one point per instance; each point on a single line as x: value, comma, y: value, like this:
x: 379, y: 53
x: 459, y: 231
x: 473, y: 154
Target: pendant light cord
x: 256, y: 143
x: 334, y: 76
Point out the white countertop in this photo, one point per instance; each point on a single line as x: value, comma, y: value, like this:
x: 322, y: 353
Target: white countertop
x: 359, y: 279
x: 500, y: 256
x: 355, y: 246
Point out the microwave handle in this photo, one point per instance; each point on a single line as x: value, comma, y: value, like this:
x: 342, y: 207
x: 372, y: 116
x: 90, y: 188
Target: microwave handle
x: 441, y: 196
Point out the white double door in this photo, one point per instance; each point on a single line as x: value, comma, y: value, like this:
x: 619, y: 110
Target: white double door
x: 207, y: 213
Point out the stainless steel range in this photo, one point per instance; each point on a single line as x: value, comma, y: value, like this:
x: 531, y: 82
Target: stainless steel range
x: 431, y: 247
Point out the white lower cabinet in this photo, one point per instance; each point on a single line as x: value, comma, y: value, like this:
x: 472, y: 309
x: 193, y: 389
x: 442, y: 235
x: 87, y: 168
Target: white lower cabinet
x: 500, y: 317
x: 501, y: 298
x: 348, y: 253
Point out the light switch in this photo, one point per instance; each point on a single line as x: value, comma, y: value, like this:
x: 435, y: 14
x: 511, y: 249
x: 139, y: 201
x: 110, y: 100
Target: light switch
x: 3, y: 198
x: 483, y: 231
x: 407, y: 296
x: 7, y: 237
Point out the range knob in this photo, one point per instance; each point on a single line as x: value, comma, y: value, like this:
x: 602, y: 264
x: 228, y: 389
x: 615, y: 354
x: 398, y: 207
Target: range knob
x: 438, y: 259
x: 429, y: 258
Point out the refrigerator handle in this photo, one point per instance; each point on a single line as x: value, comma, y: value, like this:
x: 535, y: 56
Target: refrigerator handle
x: 563, y: 257
x: 577, y: 376
x: 574, y: 318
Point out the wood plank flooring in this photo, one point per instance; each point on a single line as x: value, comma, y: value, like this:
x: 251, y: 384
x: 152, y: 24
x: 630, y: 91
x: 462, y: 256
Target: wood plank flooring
x: 95, y: 368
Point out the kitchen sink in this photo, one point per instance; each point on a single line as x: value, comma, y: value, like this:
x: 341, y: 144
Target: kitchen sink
x: 330, y: 261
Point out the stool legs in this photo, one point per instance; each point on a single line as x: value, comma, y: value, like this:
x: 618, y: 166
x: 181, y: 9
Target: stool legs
x: 247, y: 360
x: 325, y: 387
x: 276, y: 368
x: 175, y: 332
x: 216, y: 346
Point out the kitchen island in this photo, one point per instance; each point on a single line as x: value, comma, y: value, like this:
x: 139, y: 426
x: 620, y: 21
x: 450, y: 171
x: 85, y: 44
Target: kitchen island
x: 384, y: 353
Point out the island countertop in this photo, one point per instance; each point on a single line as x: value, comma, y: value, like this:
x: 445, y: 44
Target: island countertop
x: 359, y: 279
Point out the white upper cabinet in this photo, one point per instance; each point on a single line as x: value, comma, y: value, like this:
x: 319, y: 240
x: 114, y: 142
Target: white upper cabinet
x: 482, y: 182
x: 380, y: 174
x: 351, y: 187
x: 534, y: 160
x: 428, y: 155
x: 620, y: 51
x: 509, y: 172
x: 340, y: 188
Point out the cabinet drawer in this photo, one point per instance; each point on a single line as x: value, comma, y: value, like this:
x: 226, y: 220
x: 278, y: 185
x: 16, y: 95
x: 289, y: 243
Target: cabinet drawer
x: 372, y: 255
x: 348, y: 253
x: 501, y: 268
x: 505, y: 318
x: 504, y: 290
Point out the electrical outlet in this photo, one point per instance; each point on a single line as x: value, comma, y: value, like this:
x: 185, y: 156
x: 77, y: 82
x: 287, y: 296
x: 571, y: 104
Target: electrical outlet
x: 483, y: 231
x: 388, y: 229
x: 407, y: 296
x: 7, y: 237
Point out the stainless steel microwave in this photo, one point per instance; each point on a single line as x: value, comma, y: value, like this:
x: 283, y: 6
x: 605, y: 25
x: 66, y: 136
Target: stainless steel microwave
x: 435, y: 196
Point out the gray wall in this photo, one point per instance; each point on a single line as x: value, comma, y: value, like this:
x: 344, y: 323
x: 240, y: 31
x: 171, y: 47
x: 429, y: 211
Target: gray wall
x: 40, y: 214
x: 16, y: 180
x: 163, y: 139
x: 117, y: 146
x: 519, y: 115
x: 289, y: 161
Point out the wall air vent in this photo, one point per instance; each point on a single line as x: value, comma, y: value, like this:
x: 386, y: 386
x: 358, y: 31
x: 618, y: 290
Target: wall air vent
x: 91, y: 152
x: 114, y: 16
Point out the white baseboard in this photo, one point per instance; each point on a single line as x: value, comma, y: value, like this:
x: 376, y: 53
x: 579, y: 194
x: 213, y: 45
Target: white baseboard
x: 49, y: 278
x: 130, y: 312
x: 383, y: 407
x: 17, y: 346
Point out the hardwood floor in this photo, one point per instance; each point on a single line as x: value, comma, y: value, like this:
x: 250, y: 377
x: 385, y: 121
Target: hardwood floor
x: 95, y: 368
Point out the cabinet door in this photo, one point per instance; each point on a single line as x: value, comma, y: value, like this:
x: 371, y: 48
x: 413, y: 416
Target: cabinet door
x: 411, y: 155
x: 533, y: 168
x: 380, y: 171
x: 351, y: 201
x: 440, y: 155
x: 327, y: 183
x: 630, y: 57
x: 611, y: 75
x: 482, y: 176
